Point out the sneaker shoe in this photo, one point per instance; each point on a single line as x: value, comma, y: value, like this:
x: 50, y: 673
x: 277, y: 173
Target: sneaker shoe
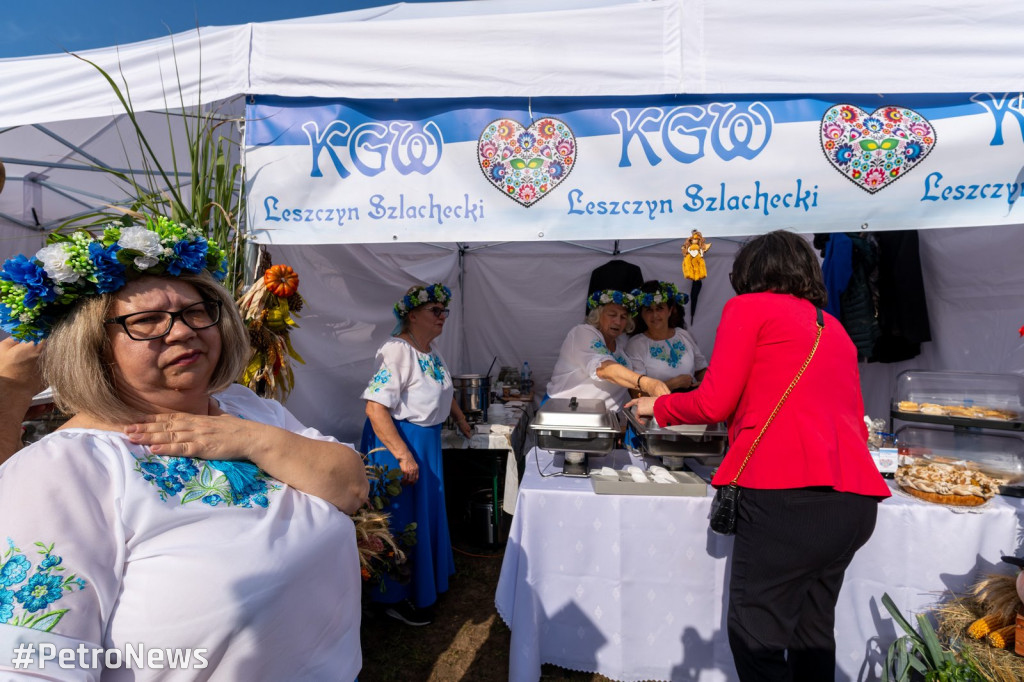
x: 405, y: 612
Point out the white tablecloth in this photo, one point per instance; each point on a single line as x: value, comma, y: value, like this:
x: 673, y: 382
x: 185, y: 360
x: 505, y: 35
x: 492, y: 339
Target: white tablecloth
x: 634, y: 587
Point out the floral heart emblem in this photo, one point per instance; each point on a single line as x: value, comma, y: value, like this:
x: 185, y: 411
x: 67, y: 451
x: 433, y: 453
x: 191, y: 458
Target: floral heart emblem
x: 525, y: 164
x: 874, y: 150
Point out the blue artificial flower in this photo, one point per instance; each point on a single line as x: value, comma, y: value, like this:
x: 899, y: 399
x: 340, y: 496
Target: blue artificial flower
x: 6, y: 605
x: 109, y: 270
x: 182, y: 467
x: 213, y: 500
x: 40, y: 591
x: 29, y: 274
x: 190, y: 256
x: 15, y: 570
x: 49, y: 561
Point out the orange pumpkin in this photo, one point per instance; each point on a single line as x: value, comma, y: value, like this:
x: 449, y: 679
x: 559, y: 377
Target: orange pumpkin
x: 281, y: 280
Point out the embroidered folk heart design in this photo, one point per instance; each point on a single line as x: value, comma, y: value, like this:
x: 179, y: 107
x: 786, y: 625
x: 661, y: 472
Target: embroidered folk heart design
x: 525, y: 164
x: 874, y: 150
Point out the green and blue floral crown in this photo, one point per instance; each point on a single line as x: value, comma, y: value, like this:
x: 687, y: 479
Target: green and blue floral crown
x: 667, y: 293
x: 420, y: 295
x: 35, y: 293
x: 606, y: 296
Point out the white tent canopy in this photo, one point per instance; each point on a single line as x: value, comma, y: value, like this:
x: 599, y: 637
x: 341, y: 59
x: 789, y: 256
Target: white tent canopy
x: 58, y: 117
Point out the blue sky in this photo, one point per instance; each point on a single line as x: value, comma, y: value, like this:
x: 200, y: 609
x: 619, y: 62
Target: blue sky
x: 31, y: 27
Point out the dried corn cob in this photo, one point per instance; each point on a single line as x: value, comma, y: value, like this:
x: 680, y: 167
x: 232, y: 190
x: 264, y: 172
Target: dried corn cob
x: 985, y: 625
x: 1003, y: 637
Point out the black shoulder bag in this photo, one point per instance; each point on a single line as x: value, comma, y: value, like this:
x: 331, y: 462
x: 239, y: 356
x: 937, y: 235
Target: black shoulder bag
x: 726, y: 504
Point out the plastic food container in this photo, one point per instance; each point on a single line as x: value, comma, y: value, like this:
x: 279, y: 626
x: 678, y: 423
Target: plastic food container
x: 998, y: 455
x: 971, y: 399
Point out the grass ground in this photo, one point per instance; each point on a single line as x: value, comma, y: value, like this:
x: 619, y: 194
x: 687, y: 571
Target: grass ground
x: 467, y: 642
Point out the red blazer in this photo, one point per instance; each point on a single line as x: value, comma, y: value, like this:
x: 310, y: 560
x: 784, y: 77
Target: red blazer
x: 818, y: 437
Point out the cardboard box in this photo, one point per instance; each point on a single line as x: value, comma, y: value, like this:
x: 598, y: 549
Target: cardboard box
x: 688, y: 484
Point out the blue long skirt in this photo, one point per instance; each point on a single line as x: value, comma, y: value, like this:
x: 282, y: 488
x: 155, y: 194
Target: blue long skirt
x: 423, y: 502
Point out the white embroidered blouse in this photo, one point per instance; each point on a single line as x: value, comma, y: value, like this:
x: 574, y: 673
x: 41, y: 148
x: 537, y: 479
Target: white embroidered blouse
x: 575, y: 372
x: 106, y: 546
x: 666, y: 359
x: 414, y: 386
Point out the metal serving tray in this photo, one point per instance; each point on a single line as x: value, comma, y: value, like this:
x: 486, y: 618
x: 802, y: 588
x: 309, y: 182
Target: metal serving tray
x: 576, y: 425
x: 699, y: 441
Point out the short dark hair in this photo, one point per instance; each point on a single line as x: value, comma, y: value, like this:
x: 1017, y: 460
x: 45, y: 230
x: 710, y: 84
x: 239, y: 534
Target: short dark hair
x: 781, y: 262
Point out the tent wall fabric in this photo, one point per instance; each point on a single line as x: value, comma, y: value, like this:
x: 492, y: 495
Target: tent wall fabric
x: 517, y: 301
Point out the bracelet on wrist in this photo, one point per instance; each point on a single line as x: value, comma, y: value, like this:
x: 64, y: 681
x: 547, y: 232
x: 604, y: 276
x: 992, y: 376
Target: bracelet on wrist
x: 638, y: 378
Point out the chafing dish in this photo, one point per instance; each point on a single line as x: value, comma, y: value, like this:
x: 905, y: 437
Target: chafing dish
x: 576, y: 425
x: 673, y: 443
x: 968, y: 399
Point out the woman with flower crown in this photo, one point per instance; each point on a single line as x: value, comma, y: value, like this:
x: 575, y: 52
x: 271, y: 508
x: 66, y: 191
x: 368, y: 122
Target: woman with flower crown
x: 407, y: 400
x: 663, y: 348
x: 175, y: 510
x: 593, y: 363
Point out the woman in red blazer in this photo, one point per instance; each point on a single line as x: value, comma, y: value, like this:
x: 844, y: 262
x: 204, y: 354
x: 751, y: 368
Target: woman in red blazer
x: 810, y: 488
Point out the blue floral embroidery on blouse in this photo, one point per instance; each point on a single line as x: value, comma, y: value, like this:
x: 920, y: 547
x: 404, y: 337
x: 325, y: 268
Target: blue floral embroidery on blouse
x: 599, y: 347
x: 675, y: 352
x: 432, y: 367
x: 235, y: 483
x: 23, y: 595
x: 382, y: 377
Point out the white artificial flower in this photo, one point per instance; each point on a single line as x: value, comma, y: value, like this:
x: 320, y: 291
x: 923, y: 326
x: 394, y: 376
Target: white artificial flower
x: 145, y: 262
x: 605, y: 298
x: 423, y: 296
x: 140, y: 239
x: 55, y: 262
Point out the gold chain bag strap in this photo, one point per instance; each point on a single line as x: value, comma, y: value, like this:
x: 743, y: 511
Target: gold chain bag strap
x: 725, y: 505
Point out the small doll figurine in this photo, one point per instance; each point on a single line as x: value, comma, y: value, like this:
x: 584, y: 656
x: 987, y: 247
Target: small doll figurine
x: 693, y: 257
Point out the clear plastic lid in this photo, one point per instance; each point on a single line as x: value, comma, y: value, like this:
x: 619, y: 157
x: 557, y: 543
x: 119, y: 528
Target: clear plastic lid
x: 992, y: 398
x: 998, y: 455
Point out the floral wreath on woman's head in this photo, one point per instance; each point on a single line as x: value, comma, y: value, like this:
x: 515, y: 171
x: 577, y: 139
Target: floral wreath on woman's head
x: 606, y: 296
x: 421, y: 295
x: 35, y: 293
x: 667, y: 293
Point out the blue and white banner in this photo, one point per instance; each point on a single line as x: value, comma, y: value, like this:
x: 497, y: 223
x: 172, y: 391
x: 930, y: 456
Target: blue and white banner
x: 361, y: 171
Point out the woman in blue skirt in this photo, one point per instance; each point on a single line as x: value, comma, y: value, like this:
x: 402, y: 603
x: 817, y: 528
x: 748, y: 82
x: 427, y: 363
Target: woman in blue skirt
x: 408, y: 399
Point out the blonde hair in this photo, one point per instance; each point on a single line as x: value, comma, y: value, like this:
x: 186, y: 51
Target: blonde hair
x: 75, y: 362
x: 594, y: 316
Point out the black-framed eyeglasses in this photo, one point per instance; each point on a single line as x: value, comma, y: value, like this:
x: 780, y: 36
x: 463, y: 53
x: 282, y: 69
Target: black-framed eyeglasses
x: 147, y: 325
x: 439, y: 311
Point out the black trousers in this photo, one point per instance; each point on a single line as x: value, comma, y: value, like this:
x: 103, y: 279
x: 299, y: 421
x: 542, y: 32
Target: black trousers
x: 791, y: 551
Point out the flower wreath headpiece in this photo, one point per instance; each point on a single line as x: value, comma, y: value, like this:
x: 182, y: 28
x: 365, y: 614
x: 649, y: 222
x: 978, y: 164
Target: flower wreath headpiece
x: 667, y: 293
x: 420, y: 295
x: 35, y: 293
x: 606, y: 296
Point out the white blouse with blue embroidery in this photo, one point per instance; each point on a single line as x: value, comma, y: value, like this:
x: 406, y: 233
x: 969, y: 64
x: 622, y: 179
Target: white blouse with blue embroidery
x: 103, y: 544
x: 414, y: 386
x: 575, y: 372
x: 666, y: 359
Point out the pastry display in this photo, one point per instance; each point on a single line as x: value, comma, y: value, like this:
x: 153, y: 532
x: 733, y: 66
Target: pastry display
x: 947, y: 484
x: 963, y: 411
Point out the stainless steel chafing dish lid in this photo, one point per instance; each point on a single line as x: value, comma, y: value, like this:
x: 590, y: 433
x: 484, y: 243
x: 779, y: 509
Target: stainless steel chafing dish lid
x: 574, y: 414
